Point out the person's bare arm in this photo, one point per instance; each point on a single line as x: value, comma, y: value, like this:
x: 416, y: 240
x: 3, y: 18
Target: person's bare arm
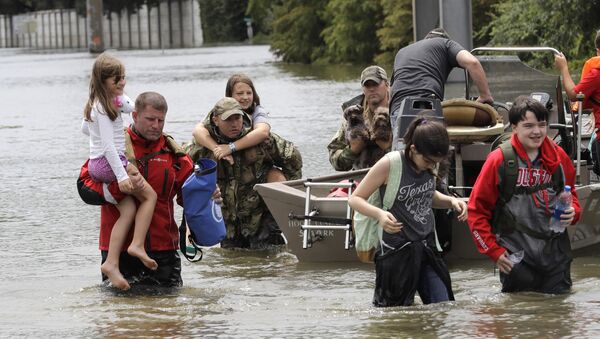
x: 569, y: 85
x: 258, y: 134
x: 376, y: 177
x: 469, y: 62
x: 202, y: 137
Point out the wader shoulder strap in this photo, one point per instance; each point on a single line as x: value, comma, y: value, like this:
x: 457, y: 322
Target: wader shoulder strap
x: 504, y: 221
x: 511, y: 171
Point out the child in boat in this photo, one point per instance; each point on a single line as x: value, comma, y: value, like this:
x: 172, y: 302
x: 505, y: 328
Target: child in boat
x: 241, y: 88
x: 407, y: 261
x: 104, y: 124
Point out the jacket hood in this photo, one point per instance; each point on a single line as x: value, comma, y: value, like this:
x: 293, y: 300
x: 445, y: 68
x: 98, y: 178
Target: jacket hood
x: 549, y: 156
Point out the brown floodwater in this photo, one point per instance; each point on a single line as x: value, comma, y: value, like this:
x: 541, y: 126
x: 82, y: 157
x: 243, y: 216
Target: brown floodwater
x: 49, y: 261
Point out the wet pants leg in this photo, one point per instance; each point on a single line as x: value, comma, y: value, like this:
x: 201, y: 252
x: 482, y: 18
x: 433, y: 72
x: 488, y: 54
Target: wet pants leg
x: 431, y: 287
x: 168, y: 273
x: 524, y: 278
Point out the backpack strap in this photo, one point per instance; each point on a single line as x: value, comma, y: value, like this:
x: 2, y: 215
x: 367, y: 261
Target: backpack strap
x: 171, y: 147
x: 503, y: 220
x: 511, y: 171
x: 183, y: 247
x: 394, y: 178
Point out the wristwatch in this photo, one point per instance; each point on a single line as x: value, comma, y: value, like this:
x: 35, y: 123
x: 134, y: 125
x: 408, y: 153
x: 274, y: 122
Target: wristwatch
x: 232, y: 147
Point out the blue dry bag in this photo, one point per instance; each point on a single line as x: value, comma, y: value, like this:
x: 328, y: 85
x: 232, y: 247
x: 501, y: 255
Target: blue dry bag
x: 203, y: 215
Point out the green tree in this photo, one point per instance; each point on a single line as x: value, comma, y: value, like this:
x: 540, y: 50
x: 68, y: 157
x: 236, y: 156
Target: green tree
x: 297, y: 27
x: 350, y: 35
x: 483, y: 11
x: 223, y: 20
x: 396, y: 31
x: 261, y: 12
x: 569, y: 26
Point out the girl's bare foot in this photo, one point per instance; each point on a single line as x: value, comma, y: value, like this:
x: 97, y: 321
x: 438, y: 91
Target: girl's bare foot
x: 114, y: 276
x: 141, y: 254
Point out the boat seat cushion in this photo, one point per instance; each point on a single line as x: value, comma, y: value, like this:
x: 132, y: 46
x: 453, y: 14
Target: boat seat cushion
x: 469, y: 120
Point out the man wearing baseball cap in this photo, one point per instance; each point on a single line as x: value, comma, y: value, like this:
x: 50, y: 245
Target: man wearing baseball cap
x: 248, y: 222
x: 365, y: 134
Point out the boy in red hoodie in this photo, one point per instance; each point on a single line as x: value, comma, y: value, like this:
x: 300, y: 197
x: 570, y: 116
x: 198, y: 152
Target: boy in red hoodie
x: 500, y: 227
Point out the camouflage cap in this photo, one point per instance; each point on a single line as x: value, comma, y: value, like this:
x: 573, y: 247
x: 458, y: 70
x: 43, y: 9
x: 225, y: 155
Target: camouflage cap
x: 227, y: 107
x: 374, y: 73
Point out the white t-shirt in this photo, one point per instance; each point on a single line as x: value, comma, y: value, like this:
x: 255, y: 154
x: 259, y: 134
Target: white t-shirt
x: 107, y: 137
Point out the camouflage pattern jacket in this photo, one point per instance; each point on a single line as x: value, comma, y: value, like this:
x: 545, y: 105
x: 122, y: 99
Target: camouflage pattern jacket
x: 340, y: 155
x: 242, y: 206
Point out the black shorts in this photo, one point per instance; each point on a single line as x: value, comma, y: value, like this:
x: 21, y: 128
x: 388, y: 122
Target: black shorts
x: 168, y: 273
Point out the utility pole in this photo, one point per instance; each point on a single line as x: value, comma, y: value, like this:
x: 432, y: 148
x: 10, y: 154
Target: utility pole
x: 94, y: 14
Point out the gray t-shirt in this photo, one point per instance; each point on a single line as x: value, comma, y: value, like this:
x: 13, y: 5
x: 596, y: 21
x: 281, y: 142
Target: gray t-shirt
x: 421, y: 69
x: 260, y: 116
x: 412, y: 206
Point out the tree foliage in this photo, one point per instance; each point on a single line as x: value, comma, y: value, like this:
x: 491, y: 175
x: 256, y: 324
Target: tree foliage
x: 569, y: 26
x: 297, y: 30
x: 396, y: 30
x: 483, y: 11
x: 223, y: 20
x: 351, y: 30
x: 261, y: 12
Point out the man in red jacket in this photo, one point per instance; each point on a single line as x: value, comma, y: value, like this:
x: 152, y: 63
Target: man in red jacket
x: 165, y: 167
x: 501, y: 226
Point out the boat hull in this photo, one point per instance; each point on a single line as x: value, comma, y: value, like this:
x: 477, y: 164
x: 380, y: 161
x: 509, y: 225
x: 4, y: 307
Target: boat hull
x: 288, y: 198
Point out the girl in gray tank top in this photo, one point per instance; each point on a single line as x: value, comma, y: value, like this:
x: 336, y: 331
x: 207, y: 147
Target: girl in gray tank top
x: 407, y: 264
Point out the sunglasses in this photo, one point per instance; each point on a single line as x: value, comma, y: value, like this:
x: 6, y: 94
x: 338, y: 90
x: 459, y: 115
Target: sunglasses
x: 118, y: 78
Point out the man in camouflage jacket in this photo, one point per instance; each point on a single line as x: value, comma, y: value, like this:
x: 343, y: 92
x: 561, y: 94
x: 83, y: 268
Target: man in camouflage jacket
x: 365, y: 134
x: 247, y: 219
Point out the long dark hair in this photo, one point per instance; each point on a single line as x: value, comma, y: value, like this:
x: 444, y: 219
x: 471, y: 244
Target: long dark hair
x: 429, y: 136
x: 243, y: 78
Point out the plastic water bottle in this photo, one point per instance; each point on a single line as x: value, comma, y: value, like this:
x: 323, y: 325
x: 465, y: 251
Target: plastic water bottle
x: 562, y: 203
x: 516, y: 257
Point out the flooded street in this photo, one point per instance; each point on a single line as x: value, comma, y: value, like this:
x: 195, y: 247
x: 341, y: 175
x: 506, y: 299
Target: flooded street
x: 50, y: 263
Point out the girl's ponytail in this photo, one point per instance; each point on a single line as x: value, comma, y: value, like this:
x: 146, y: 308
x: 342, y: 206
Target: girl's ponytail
x: 429, y: 136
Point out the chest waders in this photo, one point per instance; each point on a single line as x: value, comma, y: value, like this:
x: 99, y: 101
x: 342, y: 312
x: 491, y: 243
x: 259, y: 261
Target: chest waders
x: 503, y: 221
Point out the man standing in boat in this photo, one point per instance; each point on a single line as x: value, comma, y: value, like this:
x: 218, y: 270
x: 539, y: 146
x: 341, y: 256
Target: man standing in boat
x: 248, y: 221
x: 422, y: 68
x: 512, y: 204
x: 365, y: 134
x: 589, y: 85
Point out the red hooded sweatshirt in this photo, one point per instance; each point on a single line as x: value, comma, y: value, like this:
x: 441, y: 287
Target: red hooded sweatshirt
x: 533, y: 210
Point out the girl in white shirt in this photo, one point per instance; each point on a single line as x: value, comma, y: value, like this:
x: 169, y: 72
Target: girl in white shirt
x: 104, y: 124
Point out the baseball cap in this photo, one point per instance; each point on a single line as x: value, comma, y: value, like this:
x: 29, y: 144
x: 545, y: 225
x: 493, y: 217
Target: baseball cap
x: 227, y: 107
x: 374, y: 73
